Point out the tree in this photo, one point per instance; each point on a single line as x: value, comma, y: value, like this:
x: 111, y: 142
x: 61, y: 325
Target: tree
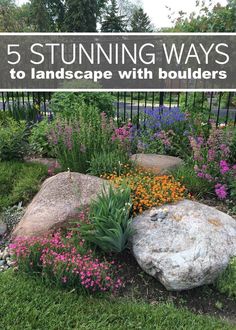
x: 41, y: 16
x: 113, y: 22
x: 217, y: 19
x: 140, y: 22
x: 80, y: 16
x: 14, y: 18
x: 7, y: 13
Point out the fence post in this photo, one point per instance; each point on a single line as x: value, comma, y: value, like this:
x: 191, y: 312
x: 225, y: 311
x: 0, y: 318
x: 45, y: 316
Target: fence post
x: 161, y: 103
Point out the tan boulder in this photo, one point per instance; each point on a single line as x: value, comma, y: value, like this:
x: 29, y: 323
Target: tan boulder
x: 59, y: 201
x: 157, y: 164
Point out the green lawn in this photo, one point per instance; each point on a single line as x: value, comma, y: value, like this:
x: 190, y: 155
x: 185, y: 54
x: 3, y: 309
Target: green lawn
x: 25, y: 303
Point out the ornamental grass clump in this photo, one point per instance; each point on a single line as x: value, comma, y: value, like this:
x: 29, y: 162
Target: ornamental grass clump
x: 149, y: 190
x: 66, y: 261
x: 76, y: 140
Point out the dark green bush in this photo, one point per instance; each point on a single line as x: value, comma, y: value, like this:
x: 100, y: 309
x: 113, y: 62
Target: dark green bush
x: 68, y: 104
x: 19, y: 182
x: 38, y: 140
x: 13, y: 139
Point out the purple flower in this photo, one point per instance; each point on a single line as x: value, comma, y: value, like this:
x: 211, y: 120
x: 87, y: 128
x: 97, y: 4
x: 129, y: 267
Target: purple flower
x: 224, y: 167
x: 200, y: 175
x: 211, y: 155
x: 221, y: 191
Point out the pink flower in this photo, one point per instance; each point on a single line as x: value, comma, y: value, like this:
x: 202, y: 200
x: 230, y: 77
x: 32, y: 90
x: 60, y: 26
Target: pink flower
x: 221, y: 191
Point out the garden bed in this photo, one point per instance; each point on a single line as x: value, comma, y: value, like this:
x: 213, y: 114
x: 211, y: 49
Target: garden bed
x: 85, y: 139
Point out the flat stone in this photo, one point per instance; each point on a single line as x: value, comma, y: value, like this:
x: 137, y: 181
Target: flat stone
x: 59, y: 201
x: 3, y: 229
x: 157, y: 164
x: 49, y: 162
x: 188, y: 247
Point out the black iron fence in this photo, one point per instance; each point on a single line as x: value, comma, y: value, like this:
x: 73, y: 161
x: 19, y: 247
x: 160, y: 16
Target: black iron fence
x: 129, y: 105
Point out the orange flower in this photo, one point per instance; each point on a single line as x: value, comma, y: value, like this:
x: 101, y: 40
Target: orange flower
x: 149, y: 190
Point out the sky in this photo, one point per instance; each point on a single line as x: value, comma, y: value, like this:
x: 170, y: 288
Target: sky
x: 157, y: 11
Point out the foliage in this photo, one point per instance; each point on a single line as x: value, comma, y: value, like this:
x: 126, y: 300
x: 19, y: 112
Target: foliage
x: 12, y: 17
x: 81, y: 16
x: 226, y: 283
x: 26, y: 112
x: 38, y: 140
x: 108, y: 162
x: 51, y: 15
x: 19, y: 182
x: 149, y: 190
x: 52, y: 308
x: 68, y: 104
x: 163, y: 131
x: 112, y: 21
x: 65, y: 261
x: 74, y: 142
x: 189, y: 179
x: 212, y: 160
x: 232, y: 146
x: 195, y: 101
x: 13, y: 139
x: 12, y: 215
x: 140, y: 21
x: 207, y: 18
x: 109, y: 224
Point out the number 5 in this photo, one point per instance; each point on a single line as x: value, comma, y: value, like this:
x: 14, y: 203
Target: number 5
x: 12, y: 52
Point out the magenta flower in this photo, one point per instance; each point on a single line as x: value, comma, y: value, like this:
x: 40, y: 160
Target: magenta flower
x: 224, y: 167
x: 221, y: 191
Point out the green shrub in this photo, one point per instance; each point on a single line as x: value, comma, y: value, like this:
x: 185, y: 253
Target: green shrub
x: 110, y: 224
x: 13, y: 139
x: 188, y: 177
x: 226, y: 283
x: 38, y: 140
x: 27, y: 112
x: 19, y: 182
x: 108, y: 162
x: 68, y: 104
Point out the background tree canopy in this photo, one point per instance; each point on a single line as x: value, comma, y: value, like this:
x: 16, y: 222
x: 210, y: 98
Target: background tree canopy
x: 207, y: 19
x: 73, y: 16
x: 109, y: 16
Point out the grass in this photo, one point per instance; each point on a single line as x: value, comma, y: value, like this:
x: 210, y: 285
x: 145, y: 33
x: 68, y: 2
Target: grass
x: 25, y: 303
x: 19, y: 182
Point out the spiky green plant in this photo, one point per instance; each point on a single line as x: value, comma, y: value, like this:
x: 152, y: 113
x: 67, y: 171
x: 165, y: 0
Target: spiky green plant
x: 110, y: 223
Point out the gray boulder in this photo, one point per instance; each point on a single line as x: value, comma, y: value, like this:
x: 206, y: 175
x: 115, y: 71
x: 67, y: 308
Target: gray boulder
x: 184, y: 245
x: 59, y: 201
x: 157, y: 164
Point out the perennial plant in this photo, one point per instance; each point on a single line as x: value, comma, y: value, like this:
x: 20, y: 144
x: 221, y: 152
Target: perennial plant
x: 66, y: 261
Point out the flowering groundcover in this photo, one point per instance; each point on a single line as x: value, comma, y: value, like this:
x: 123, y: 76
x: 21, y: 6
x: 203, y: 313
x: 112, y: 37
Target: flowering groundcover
x: 66, y: 261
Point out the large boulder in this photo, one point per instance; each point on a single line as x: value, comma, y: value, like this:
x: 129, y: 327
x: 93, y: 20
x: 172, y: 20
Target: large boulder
x: 184, y: 245
x: 59, y: 201
x: 157, y: 164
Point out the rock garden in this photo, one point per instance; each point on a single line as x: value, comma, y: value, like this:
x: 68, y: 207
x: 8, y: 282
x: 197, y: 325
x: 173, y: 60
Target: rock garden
x: 137, y: 214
